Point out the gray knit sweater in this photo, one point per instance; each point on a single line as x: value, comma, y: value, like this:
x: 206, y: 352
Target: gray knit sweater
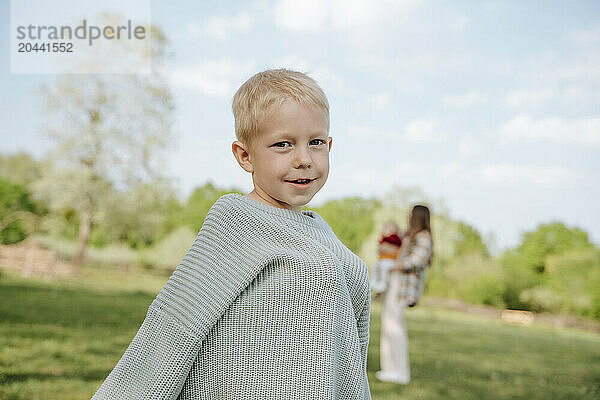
x: 266, y: 304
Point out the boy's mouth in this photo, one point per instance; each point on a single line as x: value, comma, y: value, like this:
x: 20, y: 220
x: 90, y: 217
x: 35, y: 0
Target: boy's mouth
x: 300, y: 181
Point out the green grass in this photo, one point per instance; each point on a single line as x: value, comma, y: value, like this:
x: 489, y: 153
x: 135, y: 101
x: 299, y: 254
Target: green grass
x: 458, y: 356
x: 59, y: 340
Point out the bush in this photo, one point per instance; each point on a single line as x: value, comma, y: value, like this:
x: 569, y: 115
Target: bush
x: 351, y: 219
x: 472, y: 277
x: 575, y: 277
x: 540, y: 299
x: 517, y: 279
x: 167, y: 253
x: 547, y: 240
x: 483, y: 289
x: 14, y: 198
x: 112, y: 254
x: 192, y: 214
x: 569, y: 285
x: 469, y: 241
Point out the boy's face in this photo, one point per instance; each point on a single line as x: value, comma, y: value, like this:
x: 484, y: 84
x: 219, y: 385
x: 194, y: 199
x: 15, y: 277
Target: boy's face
x: 293, y: 143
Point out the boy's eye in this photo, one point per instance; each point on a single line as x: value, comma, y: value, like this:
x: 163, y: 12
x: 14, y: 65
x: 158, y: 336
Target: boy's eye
x: 284, y: 144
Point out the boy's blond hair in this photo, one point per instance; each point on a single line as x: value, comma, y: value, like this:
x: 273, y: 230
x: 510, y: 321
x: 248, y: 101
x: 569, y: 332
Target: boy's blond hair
x: 264, y: 90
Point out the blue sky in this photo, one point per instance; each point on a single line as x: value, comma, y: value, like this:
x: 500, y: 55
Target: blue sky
x: 492, y: 106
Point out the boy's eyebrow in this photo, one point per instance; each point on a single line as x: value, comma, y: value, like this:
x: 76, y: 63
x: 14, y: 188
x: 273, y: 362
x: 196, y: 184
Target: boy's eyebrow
x: 287, y: 135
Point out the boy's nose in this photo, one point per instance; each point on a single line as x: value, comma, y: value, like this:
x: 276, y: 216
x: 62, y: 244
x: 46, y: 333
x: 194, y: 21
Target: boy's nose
x: 303, y: 158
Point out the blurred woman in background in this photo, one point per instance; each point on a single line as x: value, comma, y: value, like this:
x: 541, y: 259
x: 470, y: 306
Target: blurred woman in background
x: 406, y: 284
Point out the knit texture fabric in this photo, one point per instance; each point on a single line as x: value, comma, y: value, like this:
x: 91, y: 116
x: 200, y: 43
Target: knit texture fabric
x: 266, y: 304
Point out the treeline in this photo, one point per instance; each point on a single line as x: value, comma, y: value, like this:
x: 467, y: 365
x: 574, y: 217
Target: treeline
x: 555, y: 268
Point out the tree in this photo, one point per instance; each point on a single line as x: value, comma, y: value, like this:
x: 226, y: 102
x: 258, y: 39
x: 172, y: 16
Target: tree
x: 548, y: 239
x: 574, y: 277
x: 16, y: 207
x: 19, y: 168
x: 139, y: 217
x: 110, y: 132
x: 198, y: 204
x: 525, y: 267
x: 469, y: 241
x: 350, y: 218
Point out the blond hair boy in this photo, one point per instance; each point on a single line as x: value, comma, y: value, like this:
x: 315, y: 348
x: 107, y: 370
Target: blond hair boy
x: 267, y: 303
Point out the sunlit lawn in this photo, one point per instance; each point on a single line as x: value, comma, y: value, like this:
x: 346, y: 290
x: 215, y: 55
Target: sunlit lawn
x: 59, y: 340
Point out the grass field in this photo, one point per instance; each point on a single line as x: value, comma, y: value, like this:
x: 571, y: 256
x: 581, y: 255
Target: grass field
x: 59, y: 340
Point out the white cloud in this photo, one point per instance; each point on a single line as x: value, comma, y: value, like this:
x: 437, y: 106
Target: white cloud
x: 581, y: 94
x: 527, y: 98
x: 522, y: 128
x: 330, y: 79
x: 218, y: 78
x: 585, y: 70
x: 303, y: 16
x: 327, y: 78
x: 554, y: 175
x: 313, y: 16
x: 293, y: 62
x: 347, y: 178
x: 586, y: 36
x: 221, y: 26
x: 384, y: 177
x: 455, y: 171
x: 473, y: 97
x: 362, y: 132
x: 367, y: 132
x: 468, y: 146
x: 508, y: 173
x: 380, y: 100
x: 568, y: 87
x: 421, y: 131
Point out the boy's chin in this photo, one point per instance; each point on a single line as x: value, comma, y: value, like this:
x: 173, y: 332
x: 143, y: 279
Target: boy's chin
x: 297, y: 201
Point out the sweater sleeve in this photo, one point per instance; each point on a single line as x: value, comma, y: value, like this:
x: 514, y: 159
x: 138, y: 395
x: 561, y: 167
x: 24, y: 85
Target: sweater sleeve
x: 156, y: 362
x: 418, y: 259
x: 363, y: 329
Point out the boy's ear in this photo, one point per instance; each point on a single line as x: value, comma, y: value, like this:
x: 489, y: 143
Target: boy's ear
x: 242, y: 156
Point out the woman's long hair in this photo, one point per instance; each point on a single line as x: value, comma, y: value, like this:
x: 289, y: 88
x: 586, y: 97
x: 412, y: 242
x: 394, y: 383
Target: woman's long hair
x: 419, y: 220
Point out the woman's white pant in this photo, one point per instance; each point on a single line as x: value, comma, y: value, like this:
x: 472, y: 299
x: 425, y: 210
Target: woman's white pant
x: 394, y: 337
